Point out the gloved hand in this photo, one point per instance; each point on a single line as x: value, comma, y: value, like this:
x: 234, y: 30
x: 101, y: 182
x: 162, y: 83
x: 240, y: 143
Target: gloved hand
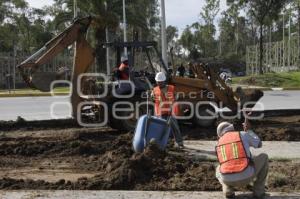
x: 246, y: 124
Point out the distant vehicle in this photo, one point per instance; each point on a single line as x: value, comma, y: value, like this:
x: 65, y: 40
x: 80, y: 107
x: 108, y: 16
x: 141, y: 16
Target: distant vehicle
x: 240, y: 74
x: 227, y: 77
x: 226, y: 70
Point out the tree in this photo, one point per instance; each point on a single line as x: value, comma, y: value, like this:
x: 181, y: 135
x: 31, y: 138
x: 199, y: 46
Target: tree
x: 227, y: 35
x: 187, y: 40
x: 264, y: 12
x: 24, y: 28
x: 172, y: 34
x: 208, y: 30
x: 141, y: 17
x: 7, y: 7
x: 210, y: 11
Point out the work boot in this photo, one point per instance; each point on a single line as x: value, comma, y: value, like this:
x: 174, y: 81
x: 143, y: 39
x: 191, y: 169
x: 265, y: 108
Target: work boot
x: 179, y: 145
x: 152, y: 141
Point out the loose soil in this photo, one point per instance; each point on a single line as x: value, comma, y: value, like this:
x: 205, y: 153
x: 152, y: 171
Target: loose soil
x: 62, y: 155
x: 268, y: 129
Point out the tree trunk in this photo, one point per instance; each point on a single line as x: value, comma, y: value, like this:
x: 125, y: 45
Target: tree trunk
x: 261, y: 51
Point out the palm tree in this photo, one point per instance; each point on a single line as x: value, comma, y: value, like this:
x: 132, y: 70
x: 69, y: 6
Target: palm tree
x: 141, y: 15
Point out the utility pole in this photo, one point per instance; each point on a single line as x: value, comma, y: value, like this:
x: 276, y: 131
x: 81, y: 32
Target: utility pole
x: 163, y: 33
x: 298, y: 9
x: 107, y: 48
x: 14, y: 66
x: 125, y: 26
x: 220, y: 46
x: 237, y: 36
x: 75, y: 9
x: 289, y: 44
x: 8, y: 77
x: 283, y: 41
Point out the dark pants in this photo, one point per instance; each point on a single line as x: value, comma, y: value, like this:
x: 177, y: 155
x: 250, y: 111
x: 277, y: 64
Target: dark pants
x: 175, y: 128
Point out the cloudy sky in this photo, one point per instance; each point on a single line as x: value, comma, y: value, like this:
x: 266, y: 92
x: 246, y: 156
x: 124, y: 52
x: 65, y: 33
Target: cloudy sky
x: 179, y: 13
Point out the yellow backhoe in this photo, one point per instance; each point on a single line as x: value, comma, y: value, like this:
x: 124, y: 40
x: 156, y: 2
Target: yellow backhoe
x: 206, y: 81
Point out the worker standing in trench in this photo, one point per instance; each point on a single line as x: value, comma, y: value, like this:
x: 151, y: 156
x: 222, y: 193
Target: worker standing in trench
x: 165, y: 106
x: 237, y: 166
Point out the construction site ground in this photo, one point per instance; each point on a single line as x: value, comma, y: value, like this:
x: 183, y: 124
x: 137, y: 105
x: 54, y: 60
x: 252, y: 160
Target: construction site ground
x: 132, y: 194
x: 59, y: 155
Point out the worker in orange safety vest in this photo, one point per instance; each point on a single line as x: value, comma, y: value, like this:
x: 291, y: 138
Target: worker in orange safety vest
x: 165, y: 105
x: 237, y: 166
x: 123, y: 69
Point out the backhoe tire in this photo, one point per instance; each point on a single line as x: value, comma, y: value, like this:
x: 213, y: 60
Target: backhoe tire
x: 127, y: 125
x: 204, y: 113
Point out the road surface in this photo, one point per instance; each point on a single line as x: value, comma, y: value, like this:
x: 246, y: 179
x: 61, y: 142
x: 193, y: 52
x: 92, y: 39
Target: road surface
x: 42, y: 108
x: 132, y: 194
x: 275, y: 150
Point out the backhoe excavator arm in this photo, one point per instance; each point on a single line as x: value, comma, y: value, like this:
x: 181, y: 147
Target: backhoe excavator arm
x: 208, y: 80
x: 83, y: 58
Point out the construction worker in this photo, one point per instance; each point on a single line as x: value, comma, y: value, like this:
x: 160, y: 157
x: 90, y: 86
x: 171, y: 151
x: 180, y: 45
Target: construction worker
x: 165, y: 106
x: 123, y: 70
x: 123, y: 73
x: 181, y: 70
x: 237, y: 166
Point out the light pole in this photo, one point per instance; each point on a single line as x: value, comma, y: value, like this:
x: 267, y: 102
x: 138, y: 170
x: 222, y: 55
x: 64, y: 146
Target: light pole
x: 124, y: 26
x: 289, y: 44
x: 14, y: 65
x: 107, y: 48
x: 75, y: 9
x: 163, y: 33
x: 283, y: 40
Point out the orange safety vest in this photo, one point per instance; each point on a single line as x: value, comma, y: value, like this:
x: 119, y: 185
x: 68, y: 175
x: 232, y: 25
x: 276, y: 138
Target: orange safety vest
x: 231, y: 153
x: 124, y: 75
x: 163, y: 103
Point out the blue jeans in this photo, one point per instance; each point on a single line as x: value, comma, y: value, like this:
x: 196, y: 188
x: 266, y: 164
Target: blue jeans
x: 175, y: 128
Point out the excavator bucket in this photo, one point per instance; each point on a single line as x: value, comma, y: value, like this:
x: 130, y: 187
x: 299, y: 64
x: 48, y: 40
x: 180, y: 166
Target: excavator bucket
x: 248, y: 98
x: 29, y: 68
x: 43, y: 80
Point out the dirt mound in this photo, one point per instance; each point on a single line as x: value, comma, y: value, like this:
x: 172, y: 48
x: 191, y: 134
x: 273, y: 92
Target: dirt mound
x: 279, y: 134
x: 119, y: 168
x: 84, y: 142
x: 107, y: 155
x: 20, y: 123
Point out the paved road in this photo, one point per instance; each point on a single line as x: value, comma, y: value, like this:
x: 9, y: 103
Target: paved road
x: 275, y: 150
x: 131, y: 194
x: 39, y: 108
x: 34, y: 108
x: 273, y: 100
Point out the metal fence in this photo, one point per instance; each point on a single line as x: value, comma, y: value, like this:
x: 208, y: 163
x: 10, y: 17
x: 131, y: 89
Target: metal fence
x: 282, y: 56
x: 10, y: 77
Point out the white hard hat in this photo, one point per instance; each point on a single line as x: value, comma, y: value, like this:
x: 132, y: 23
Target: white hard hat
x: 124, y: 58
x: 160, y: 77
x: 224, y: 127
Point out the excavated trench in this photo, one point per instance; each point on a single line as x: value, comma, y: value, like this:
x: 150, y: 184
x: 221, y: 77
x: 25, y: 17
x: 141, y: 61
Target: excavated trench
x: 59, y: 155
